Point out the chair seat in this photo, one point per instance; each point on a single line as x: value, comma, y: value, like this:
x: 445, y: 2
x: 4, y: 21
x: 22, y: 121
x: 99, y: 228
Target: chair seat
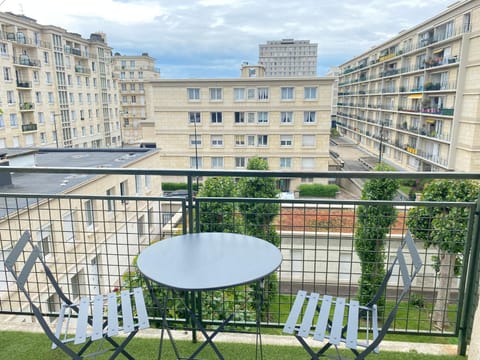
x: 345, y: 316
x: 99, y: 317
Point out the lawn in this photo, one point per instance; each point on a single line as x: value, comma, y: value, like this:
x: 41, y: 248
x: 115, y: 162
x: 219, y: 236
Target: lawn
x: 25, y: 345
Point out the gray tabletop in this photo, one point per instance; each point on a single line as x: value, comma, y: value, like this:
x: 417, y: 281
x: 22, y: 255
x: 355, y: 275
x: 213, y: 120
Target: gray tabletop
x: 207, y: 261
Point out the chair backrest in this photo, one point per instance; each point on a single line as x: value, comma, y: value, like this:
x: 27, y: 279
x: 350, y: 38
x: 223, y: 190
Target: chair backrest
x: 23, y: 258
x: 408, y: 268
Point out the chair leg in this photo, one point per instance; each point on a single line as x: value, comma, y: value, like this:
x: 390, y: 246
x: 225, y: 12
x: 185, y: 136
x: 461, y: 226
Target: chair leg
x: 120, y: 349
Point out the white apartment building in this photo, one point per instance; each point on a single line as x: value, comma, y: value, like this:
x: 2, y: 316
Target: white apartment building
x: 416, y: 97
x: 132, y: 72
x: 288, y: 57
x: 221, y: 123
x: 56, y: 88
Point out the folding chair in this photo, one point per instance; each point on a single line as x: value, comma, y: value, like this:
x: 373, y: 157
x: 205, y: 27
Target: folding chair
x: 98, y: 318
x: 324, y: 316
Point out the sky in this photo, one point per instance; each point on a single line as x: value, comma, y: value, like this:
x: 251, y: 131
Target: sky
x: 212, y: 38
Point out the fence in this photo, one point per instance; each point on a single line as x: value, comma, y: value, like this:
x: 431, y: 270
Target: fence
x: 91, y: 243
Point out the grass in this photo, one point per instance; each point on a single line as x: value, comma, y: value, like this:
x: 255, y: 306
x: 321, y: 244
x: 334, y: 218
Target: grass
x: 25, y: 345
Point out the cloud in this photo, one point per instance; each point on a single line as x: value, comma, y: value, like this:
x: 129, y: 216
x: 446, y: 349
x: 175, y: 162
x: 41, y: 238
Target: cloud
x: 210, y: 38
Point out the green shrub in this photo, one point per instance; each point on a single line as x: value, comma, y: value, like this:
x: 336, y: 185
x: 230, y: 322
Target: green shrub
x: 169, y: 186
x: 319, y: 190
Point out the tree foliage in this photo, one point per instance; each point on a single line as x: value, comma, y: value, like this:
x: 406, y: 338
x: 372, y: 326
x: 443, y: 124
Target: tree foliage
x: 216, y: 215
x: 444, y: 228
x: 373, y: 224
x: 259, y: 215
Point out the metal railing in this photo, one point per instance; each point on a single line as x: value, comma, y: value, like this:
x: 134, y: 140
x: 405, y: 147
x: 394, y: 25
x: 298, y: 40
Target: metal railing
x: 91, y: 243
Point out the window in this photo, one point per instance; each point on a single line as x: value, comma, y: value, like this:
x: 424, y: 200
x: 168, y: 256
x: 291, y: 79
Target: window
x: 141, y: 225
x: 308, y: 140
x: 193, y: 94
x: 7, y: 73
x: 309, y: 117
x: 217, y: 162
x: 215, y: 94
x: 110, y: 202
x: 2, y: 122
x: 196, y: 140
x: 251, y: 117
x: 251, y: 94
x: 44, y: 240
x: 124, y: 190
x: 216, y: 117
x: 196, y: 162
x: 38, y: 97
x: 239, y: 140
x: 67, y: 224
x: 194, y: 117
x: 13, y: 120
x: 286, y: 140
x: 287, y: 93
x: 240, y: 162
x: 262, y: 93
x: 88, y: 206
x: 50, y: 97
x: 239, y: 94
x: 10, y: 97
x: 308, y: 163
x: 148, y: 182
x: 286, y: 117
x: 263, y: 117
x: 217, y: 140
x: 285, y: 163
x: 310, y: 93
x: 239, y: 117
x: 138, y: 184
x: 262, y: 140
x: 251, y: 140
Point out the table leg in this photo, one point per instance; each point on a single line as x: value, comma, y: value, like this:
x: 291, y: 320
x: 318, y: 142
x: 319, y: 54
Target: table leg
x: 259, y: 303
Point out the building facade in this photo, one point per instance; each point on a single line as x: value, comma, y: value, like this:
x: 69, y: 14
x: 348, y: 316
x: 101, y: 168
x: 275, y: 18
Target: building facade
x: 288, y: 57
x: 415, y: 97
x: 56, y: 88
x: 131, y: 73
x: 221, y: 123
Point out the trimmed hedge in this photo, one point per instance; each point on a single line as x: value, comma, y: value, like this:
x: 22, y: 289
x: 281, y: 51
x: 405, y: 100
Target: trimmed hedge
x: 169, y: 186
x: 318, y: 190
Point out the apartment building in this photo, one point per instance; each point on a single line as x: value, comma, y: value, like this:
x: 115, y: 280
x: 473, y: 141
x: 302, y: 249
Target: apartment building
x: 132, y: 72
x: 288, y: 57
x: 56, y: 88
x: 221, y: 123
x: 413, y: 100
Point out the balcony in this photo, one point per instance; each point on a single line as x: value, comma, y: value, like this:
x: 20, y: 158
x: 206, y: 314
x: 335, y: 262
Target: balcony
x: 29, y: 127
x: 24, y: 84
x: 24, y: 60
x: 84, y: 231
x: 27, y: 106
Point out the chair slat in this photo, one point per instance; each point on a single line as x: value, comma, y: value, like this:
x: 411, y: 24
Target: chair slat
x: 127, y: 314
x: 337, y: 322
x: 291, y: 322
x: 112, y: 314
x: 60, y: 320
x: 403, y: 269
x: 143, y: 322
x: 417, y: 261
x: 375, y: 326
x: 82, y: 321
x: 323, y: 316
x: 97, y: 321
x: 27, y: 268
x: 17, y: 250
x: 307, y: 321
x: 352, y: 325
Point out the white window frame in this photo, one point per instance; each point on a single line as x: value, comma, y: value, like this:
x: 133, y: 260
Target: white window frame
x: 287, y: 93
x: 193, y: 94
x: 310, y: 93
x: 286, y: 140
x: 216, y: 94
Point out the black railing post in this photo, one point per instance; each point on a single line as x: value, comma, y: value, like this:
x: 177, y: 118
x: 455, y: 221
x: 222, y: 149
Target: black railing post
x: 470, y: 300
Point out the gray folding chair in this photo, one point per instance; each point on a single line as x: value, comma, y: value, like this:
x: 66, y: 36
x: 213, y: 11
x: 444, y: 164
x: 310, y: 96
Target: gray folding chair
x: 317, y: 312
x: 98, y: 318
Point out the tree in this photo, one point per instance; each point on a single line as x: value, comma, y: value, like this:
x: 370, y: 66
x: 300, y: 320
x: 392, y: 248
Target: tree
x: 373, y: 224
x: 444, y: 228
x: 259, y: 216
x: 215, y: 215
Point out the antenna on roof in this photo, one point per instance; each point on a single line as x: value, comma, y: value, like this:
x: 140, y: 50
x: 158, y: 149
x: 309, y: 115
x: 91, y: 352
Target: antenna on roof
x: 20, y: 8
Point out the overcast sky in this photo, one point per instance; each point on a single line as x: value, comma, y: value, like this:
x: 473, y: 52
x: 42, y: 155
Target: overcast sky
x: 211, y: 38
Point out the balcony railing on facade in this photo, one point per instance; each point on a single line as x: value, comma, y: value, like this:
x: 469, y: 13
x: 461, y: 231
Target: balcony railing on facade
x: 92, y: 242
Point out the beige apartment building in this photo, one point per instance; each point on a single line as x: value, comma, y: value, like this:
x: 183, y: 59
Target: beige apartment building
x: 132, y: 72
x: 288, y: 57
x: 56, y: 88
x: 415, y: 97
x: 221, y: 123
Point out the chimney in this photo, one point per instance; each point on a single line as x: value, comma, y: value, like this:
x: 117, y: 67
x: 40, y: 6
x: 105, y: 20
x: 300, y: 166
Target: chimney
x: 5, y: 176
